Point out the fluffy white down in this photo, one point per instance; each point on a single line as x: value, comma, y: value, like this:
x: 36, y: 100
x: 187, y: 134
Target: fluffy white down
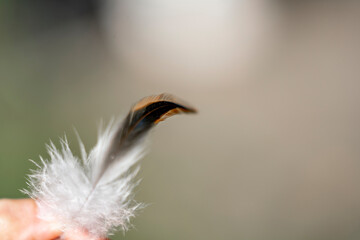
x: 64, y: 189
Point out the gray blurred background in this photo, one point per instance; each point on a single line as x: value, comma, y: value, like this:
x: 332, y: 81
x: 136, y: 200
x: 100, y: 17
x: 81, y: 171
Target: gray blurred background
x: 273, y: 153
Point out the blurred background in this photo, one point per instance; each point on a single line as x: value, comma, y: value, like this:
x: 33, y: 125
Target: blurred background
x: 274, y: 151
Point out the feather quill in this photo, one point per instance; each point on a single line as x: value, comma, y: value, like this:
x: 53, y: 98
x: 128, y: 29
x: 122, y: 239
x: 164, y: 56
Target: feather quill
x: 95, y: 193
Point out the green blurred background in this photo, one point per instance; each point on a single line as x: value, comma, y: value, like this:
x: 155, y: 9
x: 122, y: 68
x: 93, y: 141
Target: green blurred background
x: 274, y: 151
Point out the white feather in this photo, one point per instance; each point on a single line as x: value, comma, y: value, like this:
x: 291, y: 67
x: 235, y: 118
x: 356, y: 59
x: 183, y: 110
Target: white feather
x: 95, y: 193
x: 63, y: 187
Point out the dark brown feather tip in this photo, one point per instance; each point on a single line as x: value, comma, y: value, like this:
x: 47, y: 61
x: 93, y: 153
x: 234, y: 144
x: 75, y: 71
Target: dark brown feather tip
x: 151, y: 110
x: 144, y: 115
x: 164, y: 97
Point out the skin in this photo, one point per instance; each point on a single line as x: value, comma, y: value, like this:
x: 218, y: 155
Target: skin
x: 18, y: 221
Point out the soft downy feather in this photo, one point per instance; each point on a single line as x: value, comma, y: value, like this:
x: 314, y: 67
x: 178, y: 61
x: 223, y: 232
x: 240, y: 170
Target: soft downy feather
x: 95, y: 193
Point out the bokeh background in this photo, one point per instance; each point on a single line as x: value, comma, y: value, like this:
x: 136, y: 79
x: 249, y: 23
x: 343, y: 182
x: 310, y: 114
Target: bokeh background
x: 273, y: 153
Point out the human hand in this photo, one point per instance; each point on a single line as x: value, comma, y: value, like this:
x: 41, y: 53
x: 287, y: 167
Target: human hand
x: 19, y: 221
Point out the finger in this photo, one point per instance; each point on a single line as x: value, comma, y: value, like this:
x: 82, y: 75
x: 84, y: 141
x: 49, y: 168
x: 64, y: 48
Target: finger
x: 19, y: 221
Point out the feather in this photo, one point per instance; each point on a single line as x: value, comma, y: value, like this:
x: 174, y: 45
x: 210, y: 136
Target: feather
x: 94, y: 193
